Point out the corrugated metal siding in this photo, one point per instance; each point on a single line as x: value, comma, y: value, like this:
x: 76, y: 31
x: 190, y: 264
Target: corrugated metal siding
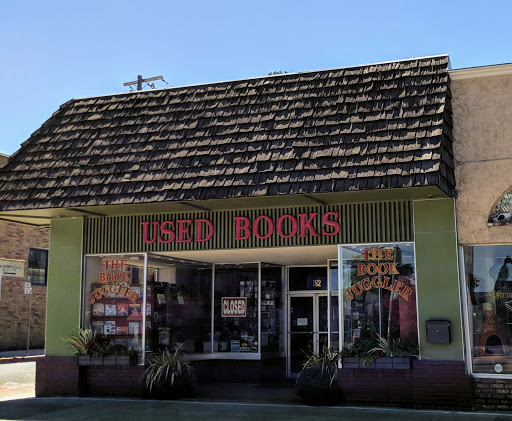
x: 360, y: 223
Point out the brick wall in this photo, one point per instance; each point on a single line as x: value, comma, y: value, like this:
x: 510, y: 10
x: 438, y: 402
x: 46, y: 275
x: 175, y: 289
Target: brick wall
x: 110, y: 380
x: 16, y: 239
x: 495, y: 394
x: 57, y: 376
x: 429, y: 384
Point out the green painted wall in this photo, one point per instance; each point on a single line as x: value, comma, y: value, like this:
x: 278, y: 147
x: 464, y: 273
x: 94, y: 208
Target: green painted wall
x: 437, y: 275
x: 64, y: 277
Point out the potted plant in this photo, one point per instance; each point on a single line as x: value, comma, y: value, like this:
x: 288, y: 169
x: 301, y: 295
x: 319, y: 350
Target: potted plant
x: 317, y: 382
x: 396, y: 354
x: 169, y: 376
x: 79, y: 343
x: 379, y: 353
x: 95, y: 348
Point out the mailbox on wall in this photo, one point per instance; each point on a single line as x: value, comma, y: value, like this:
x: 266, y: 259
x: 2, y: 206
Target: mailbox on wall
x: 438, y: 331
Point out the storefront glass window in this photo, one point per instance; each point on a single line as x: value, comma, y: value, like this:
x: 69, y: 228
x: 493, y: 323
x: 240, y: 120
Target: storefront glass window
x: 235, y: 309
x: 113, y: 300
x: 488, y: 272
x: 334, y: 307
x: 379, y: 294
x: 271, y: 309
x: 178, y: 309
x: 312, y: 279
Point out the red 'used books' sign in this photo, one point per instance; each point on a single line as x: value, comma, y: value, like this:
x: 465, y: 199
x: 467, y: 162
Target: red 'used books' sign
x: 234, y: 306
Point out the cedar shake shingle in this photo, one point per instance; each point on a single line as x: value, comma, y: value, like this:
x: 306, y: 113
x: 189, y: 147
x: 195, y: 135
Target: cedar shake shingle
x: 367, y: 127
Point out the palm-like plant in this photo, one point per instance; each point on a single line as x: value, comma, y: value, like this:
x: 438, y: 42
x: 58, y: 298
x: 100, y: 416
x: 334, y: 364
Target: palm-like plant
x: 401, y: 347
x: 326, y: 361
x: 78, y: 342
x: 317, y: 383
x: 169, y: 374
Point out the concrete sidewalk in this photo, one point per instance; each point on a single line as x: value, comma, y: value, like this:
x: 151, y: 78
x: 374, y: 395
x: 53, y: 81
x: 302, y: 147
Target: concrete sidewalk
x: 8, y: 357
x: 102, y: 409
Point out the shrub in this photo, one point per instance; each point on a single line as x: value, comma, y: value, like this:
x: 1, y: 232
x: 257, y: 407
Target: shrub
x: 169, y: 376
x: 317, y: 383
x: 95, y: 344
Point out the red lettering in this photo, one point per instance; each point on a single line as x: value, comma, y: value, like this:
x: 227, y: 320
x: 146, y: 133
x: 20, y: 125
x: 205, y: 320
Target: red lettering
x: 331, y: 223
x: 386, y: 282
x: 350, y: 295
x: 371, y: 268
x: 383, y: 268
x: 305, y: 223
x: 366, y: 284
x: 199, y: 230
x: 256, y: 227
x: 389, y: 254
x: 103, y: 277
x: 361, y: 269
x: 377, y: 282
x: 357, y: 289
x: 184, y: 230
x: 406, y: 292
x: 396, y: 286
x: 366, y: 253
x: 242, y: 228
x: 279, y: 226
x: 145, y: 229
x: 169, y: 232
x: 392, y: 269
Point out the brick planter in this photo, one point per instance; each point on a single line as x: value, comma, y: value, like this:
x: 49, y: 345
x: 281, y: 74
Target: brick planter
x: 382, y: 363
x: 427, y: 384
x: 86, y: 360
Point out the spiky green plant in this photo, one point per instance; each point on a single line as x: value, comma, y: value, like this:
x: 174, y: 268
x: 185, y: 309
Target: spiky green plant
x: 401, y: 347
x: 326, y: 361
x: 383, y: 347
x: 317, y: 381
x: 78, y: 342
x: 168, y: 370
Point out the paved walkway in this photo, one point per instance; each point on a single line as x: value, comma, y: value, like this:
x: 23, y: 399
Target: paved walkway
x: 78, y: 409
x: 230, y: 401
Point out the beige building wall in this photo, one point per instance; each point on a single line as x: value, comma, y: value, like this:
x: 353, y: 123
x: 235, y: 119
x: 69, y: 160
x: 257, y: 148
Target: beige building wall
x: 482, y: 131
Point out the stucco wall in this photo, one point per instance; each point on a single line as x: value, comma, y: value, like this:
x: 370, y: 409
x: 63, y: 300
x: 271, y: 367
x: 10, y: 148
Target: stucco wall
x: 482, y: 118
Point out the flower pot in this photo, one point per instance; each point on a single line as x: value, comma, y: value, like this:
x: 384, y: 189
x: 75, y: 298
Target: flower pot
x: 84, y: 360
x: 351, y: 362
x: 402, y: 363
x: 384, y: 362
x: 109, y: 360
x: 123, y: 360
x: 96, y: 361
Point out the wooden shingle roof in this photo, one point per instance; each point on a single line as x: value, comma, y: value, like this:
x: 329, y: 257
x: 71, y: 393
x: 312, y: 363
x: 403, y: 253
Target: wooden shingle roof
x: 367, y: 127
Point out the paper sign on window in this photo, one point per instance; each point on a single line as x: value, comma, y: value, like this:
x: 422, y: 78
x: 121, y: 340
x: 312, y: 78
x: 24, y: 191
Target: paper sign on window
x: 234, y: 306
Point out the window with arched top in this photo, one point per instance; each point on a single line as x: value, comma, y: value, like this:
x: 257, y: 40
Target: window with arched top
x: 502, y: 211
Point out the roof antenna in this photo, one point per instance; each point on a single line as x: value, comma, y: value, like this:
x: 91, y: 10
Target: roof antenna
x: 140, y: 81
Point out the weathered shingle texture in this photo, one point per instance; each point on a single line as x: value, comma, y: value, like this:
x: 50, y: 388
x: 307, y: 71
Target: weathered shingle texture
x: 360, y: 128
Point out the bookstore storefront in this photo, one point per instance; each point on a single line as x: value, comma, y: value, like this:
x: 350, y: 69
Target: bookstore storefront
x: 260, y: 285
x: 488, y: 297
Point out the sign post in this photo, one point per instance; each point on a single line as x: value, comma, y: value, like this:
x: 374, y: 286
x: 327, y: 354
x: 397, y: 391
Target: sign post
x: 28, y: 291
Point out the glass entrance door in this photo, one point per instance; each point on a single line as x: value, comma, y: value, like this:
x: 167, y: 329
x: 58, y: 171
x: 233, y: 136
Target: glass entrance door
x: 308, y: 328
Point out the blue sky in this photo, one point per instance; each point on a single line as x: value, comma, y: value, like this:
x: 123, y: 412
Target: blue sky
x: 52, y: 51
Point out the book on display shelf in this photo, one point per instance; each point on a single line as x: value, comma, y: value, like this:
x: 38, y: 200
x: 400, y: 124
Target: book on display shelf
x: 110, y: 327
